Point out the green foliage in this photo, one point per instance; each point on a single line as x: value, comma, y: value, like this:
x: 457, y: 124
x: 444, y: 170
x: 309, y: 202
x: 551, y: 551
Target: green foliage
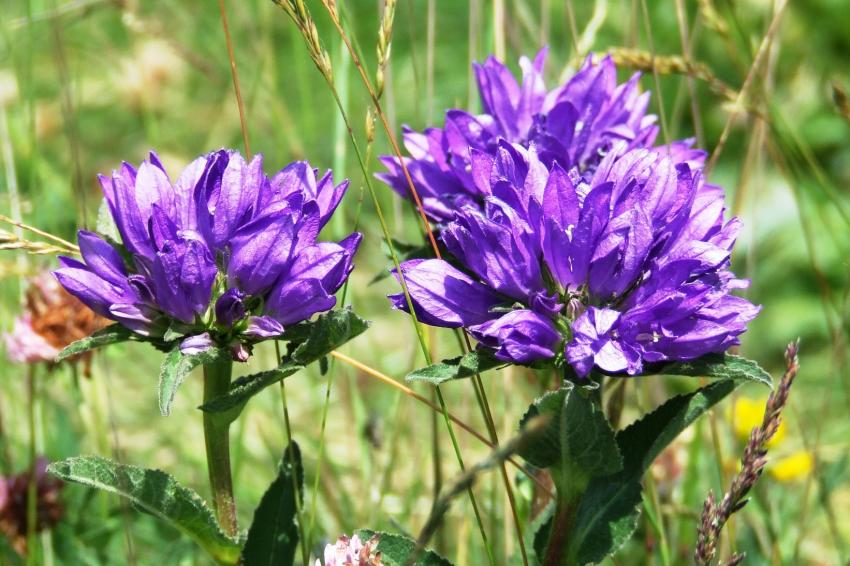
x: 718, y: 366
x: 154, y: 492
x: 396, y: 550
x: 474, y: 362
x: 608, y: 512
x: 606, y: 518
x: 273, y: 536
x: 174, y: 369
x: 578, y: 443
x: 308, y: 342
x: 316, y: 339
x: 112, y: 334
x: 642, y: 441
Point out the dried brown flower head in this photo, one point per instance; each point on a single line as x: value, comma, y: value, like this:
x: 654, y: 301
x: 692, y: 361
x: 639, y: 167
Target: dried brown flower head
x: 52, y: 319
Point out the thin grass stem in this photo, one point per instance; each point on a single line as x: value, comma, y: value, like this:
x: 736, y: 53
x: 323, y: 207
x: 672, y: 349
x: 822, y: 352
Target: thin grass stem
x: 234, y: 73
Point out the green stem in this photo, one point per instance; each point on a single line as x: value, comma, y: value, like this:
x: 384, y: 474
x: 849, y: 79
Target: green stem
x: 32, y: 485
x: 217, y: 440
x: 557, y: 549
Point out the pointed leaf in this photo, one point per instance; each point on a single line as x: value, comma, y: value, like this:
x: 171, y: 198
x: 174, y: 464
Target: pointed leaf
x: 323, y: 335
x: 174, y: 369
x: 273, y: 535
x: 476, y: 361
x: 154, y: 492
x: 643, y: 440
x: 718, y: 366
x: 606, y: 518
x: 247, y: 386
x: 578, y: 443
x: 608, y: 512
x: 112, y: 334
x: 309, y: 341
x: 396, y: 550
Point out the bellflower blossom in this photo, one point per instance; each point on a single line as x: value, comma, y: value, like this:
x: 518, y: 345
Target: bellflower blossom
x: 573, y: 125
x: 222, y: 256
x: 625, y: 268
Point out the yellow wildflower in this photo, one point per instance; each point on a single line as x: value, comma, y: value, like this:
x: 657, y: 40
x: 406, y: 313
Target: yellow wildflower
x: 747, y: 414
x: 796, y: 466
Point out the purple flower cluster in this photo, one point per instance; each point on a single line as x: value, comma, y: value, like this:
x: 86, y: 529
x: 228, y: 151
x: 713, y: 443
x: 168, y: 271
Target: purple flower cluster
x: 574, y: 125
x: 573, y: 238
x: 613, y: 269
x: 223, y: 255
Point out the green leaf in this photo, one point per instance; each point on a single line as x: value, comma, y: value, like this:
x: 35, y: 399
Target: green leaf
x: 273, y: 536
x: 643, y: 440
x: 309, y: 341
x: 112, y: 334
x: 608, y: 511
x: 476, y: 361
x: 606, y: 518
x: 174, y: 369
x: 105, y: 223
x: 247, y: 386
x: 154, y: 492
x: 328, y: 332
x: 718, y: 366
x: 396, y: 549
x: 540, y: 530
x: 577, y: 445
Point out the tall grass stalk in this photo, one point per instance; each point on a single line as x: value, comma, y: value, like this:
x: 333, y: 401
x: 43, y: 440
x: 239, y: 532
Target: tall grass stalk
x: 745, y: 87
x: 234, y: 73
x: 373, y: 93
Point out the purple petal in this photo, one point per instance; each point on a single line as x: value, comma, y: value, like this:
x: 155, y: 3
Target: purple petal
x: 328, y: 196
x: 262, y: 327
x: 520, y: 336
x: 102, y: 259
x: 230, y: 190
x: 229, y: 307
x: 196, y: 344
x: 294, y: 301
x: 260, y: 251
x: 443, y: 296
x: 95, y: 292
x: 596, y: 342
x: 183, y: 274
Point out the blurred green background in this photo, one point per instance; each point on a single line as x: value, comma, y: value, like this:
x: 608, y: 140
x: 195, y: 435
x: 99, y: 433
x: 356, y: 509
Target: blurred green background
x: 85, y: 84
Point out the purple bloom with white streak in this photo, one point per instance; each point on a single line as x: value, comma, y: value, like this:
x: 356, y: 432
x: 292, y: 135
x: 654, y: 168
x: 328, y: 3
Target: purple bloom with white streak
x: 626, y: 266
x: 224, y: 255
x: 574, y: 125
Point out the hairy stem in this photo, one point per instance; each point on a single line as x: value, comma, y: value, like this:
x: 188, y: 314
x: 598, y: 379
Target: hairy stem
x: 217, y: 440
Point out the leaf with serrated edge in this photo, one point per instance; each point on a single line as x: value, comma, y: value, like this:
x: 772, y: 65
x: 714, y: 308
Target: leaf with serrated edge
x: 317, y: 339
x: 578, y: 444
x: 328, y: 332
x: 606, y: 518
x: 273, y: 535
x: 643, y: 440
x: 246, y: 387
x: 112, y: 334
x: 396, y: 549
x: 174, y: 369
x: 718, y: 366
x: 156, y: 493
x: 604, y: 503
x: 476, y: 361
